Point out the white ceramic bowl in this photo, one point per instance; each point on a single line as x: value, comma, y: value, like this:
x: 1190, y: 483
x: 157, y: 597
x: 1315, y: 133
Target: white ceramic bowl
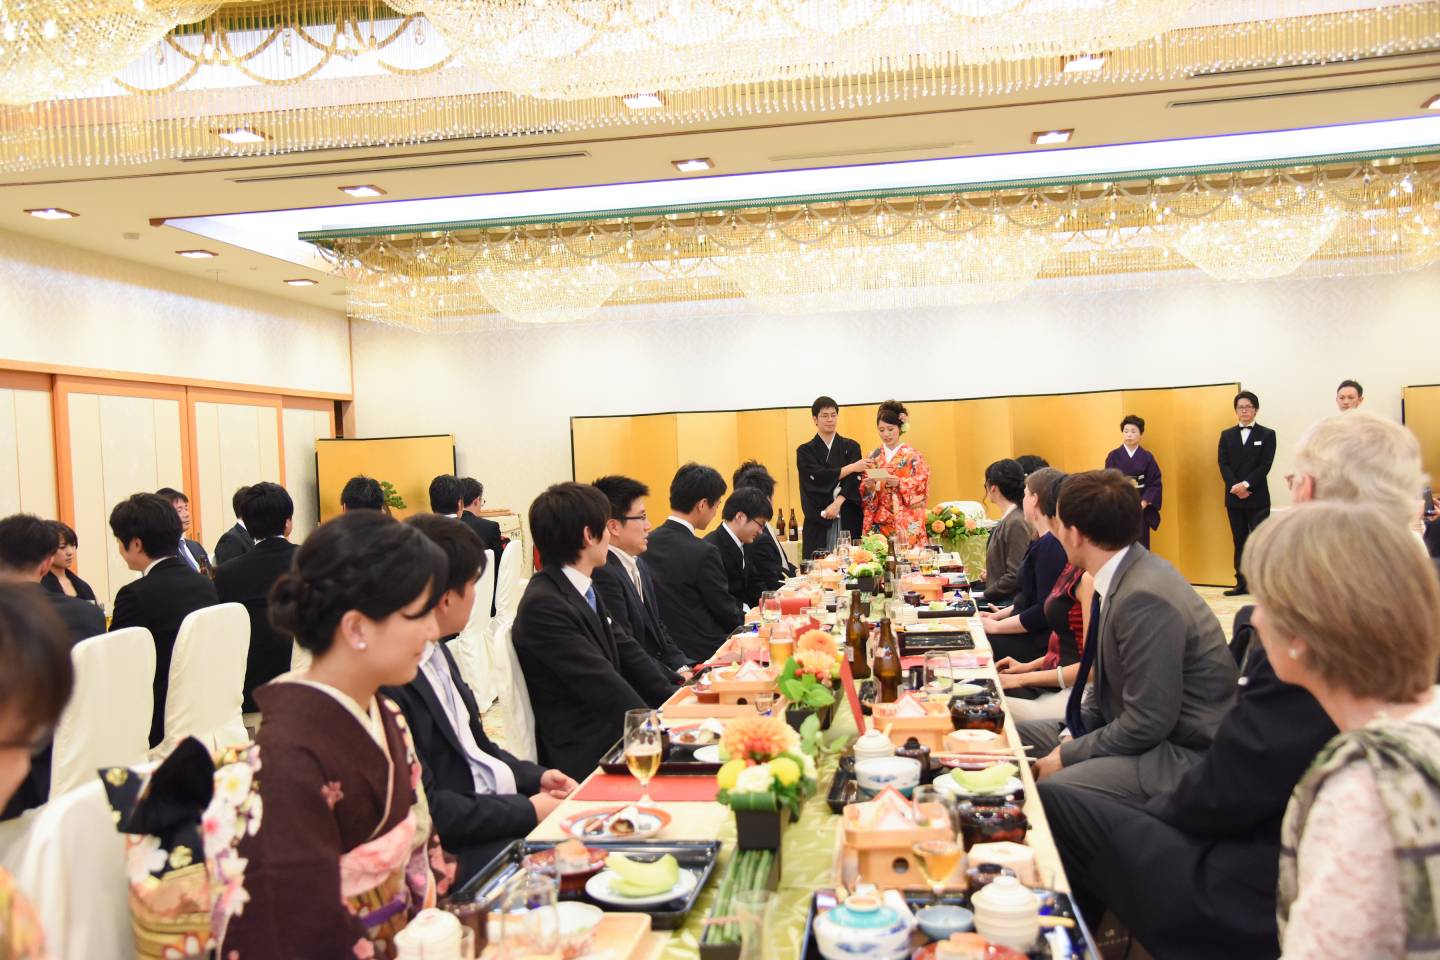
x: 874, y: 775
x: 872, y: 931
x: 577, y: 927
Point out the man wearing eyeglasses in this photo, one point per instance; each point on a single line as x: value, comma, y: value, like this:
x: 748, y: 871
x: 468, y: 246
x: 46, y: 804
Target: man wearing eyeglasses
x: 1247, y: 451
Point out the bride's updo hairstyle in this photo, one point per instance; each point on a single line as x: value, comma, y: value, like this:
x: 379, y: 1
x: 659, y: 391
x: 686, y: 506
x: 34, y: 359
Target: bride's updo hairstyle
x: 892, y: 412
x: 361, y: 560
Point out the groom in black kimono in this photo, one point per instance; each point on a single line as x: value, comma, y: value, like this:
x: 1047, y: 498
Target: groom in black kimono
x: 830, y: 467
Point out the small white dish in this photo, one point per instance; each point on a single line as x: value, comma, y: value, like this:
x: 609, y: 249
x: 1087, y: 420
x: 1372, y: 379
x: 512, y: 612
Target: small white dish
x: 598, y: 888
x: 710, y: 754
x: 946, y: 784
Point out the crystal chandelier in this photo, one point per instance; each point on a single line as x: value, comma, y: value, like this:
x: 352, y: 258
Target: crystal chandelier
x: 1255, y: 235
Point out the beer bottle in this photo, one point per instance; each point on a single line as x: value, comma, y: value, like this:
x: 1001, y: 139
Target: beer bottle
x: 794, y: 527
x: 779, y: 524
x: 856, y: 630
x: 887, y: 664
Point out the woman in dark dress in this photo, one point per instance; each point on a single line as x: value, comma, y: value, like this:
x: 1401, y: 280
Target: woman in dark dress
x: 1020, y: 631
x: 59, y: 578
x: 1139, y: 465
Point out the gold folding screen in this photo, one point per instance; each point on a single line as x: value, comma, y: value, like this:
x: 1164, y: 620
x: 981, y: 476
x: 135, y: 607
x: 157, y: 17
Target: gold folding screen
x: 958, y: 438
x: 1422, y: 415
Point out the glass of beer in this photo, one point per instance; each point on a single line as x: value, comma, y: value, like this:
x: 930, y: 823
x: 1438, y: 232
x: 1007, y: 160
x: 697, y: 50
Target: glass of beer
x: 644, y: 736
x: 782, y: 643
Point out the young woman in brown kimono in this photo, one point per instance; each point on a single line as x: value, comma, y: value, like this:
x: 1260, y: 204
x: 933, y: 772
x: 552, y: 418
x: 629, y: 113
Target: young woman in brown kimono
x: 334, y: 851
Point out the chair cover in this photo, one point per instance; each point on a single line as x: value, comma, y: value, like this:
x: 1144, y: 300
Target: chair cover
x: 207, y: 678
x: 507, y: 682
x: 973, y: 509
x: 471, y: 646
x: 107, y: 721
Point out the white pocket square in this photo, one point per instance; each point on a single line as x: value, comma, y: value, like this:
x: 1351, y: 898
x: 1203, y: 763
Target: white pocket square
x: 1258, y: 442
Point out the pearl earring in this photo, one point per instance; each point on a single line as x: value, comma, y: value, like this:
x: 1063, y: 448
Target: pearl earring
x: 1294, y: 654
x: 361, y: 646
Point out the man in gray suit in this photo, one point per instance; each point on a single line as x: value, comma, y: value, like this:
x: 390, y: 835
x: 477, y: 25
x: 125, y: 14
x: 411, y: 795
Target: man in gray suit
x: 1161, y: 675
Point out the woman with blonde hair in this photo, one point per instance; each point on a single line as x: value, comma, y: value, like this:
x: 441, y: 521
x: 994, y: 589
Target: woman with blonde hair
x: 1364, y: 822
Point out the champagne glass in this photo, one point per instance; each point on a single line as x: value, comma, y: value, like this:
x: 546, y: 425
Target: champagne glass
x: 644, y: 736
x: 939, y: 857
x: 939, y: 676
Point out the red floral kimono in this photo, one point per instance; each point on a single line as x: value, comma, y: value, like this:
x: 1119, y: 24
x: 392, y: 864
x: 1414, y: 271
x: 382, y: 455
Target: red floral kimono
x: 898, y: 510
x: 341, y: 857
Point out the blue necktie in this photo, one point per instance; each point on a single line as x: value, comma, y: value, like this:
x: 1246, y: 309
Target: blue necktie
x: 590, y: 597
x: 1074, y: 715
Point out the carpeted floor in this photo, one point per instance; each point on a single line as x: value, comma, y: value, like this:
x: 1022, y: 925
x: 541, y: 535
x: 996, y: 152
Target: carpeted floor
x: 1224, y: 607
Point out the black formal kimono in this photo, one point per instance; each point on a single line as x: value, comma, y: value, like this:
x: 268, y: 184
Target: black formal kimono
x: 1141, y: 467
x: 473, y: 827
x: 819, y: 470
x: 233, y: 543
x: 732, y: 555
x: 582, y: 674
x: 247, y: 580
x: 692, y: 589
x: 638, y: 616
x: 160, y: 601
x: 1246, y: 457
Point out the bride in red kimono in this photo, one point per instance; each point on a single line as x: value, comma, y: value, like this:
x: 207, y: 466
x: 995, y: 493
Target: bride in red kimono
x: 896, y: 506
x: 334, y: 851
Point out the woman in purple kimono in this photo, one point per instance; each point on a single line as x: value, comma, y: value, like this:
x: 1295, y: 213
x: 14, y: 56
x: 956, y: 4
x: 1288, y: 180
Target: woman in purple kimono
x: 1139, y: 464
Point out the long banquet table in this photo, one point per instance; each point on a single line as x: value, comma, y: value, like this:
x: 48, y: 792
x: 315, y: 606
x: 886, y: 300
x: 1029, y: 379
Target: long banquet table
x: 809, y: 847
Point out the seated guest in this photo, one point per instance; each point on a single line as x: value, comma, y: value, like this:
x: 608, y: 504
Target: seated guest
x: 766, y: 563
x: 472, y: 500
x: 447, y: 495
x: 60, y: 578
x: 147, y: 530
x: 1193, y: 872
x: 26, y: 545
x: 237, y: 540
x: 362, y: 493
x: 624, y: 581
x: 582, y: 673
x: 36, y: 678
x: 743, y: 519
x: 340, y: 861
x: 190, y: 551
x: 1020, y: 631
x: 268, y: 511
x: 1030, y: 462
x: 695, y: 599
x: 1163, y: 675
x: 1363, y: 818
x: 1010, y: 538
x: 480, y: 797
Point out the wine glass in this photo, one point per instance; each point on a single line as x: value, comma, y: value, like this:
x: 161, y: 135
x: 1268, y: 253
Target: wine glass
x: 644, y: 735
x: 939, y: 676
x: 530, y: 922
x: 939, y: 857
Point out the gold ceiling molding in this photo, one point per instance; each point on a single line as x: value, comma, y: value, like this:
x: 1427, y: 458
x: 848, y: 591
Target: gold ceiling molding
x: 905, y: 252
x: 317, y: 74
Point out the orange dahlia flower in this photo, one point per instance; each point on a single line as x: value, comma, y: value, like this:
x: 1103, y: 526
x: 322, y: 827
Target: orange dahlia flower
x: 818, y: 640
x: 758, y: 739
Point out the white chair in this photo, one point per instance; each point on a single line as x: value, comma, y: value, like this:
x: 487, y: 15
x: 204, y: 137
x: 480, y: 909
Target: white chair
x: 973, y: 509
x: 512, y: 580
x: 470, y: 649
x: 107, y: 721
x: 69, y: 861
x: 506, y: 681
x: 207, y: 678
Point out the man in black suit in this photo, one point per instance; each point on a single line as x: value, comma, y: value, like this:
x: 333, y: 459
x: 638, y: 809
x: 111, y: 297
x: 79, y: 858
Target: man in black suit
x: 472, y: 501
x: 189, y: 551
x: 268, y: 512
x: 624, y: 581
x: 480, y: 796
x: 147, y: 529
x: 237, y: 540
x: 743, y: 519
x: 830, y: 467
x: 27, y: 545
x: 362, y: 493
x: 766, y: 563
x: 1247, y: 451
x: 695, y: 600
x: 582, y: 673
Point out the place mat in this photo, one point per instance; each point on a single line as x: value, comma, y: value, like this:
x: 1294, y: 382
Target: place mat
x: 686, y: 789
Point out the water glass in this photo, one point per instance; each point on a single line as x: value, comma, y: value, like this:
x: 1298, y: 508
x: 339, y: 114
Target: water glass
x: 765, y: 703
x: 939, y: 676
x: 770, y: 606
x: 755, y: 910
x: 530, y: 923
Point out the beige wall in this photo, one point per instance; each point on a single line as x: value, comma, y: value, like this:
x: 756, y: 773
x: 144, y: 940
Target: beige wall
x: 27, y: 453
x: 235, y: 445
x: 302, y: 428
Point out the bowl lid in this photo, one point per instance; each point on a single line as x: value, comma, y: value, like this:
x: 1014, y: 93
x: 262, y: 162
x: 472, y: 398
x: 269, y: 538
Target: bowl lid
x: 863, y: 911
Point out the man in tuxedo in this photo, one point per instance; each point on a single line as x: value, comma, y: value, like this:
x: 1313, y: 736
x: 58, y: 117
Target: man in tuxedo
x: 237, y: 540
x: 743, y: 519
x: 147, y: 531
x: 690, y: 581
x: 830, y: 467
x: 1349, y: 395
x: 362, y: 493
x: 268, y: 513
x: 766, y: 563
x: 1193, y: 872
x: 480, y: 796
x: 1163, y: 676
x: 27, y: 545
x: 581, y: 672
x: 1247, y: 451
x: 624, y: 581
x: 472, y: 501
x: 190, y: 551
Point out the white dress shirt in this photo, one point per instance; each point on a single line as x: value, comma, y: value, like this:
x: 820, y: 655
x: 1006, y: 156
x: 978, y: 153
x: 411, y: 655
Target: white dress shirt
x: 490, y: 774
x: 683, y: 522
x: 726, y: 528
x: 631, y: 566
x: 151, y: 565
x: 1106, y: 574
x: 577, y: 579
x: 185, y: 554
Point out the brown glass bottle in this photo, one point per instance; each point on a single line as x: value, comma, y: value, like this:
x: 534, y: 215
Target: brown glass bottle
x: 794, y: 527
x: 779, y: 523
x: 856, y: 631
x: 887, y: 664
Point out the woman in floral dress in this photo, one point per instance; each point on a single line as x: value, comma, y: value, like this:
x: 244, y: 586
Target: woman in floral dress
x: 896, y: 506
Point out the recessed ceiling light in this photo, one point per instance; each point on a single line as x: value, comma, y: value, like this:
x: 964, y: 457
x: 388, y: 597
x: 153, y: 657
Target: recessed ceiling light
x: 643, y: 101
x: 302, y: 282
x: 1433, y: 103
x: 363, y: 190
x: 1051, y: 136
x: 197, y: 254
x: 1085, y: 63
x: 52, y: 213
x: 694, y: 165
x: 242, y: 135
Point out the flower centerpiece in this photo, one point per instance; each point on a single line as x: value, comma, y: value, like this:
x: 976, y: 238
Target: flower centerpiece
x: 948, y: 526
x: 768, y: 773
x: 864, y: 567
x: 877, y: 546
x: 808, y: 678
